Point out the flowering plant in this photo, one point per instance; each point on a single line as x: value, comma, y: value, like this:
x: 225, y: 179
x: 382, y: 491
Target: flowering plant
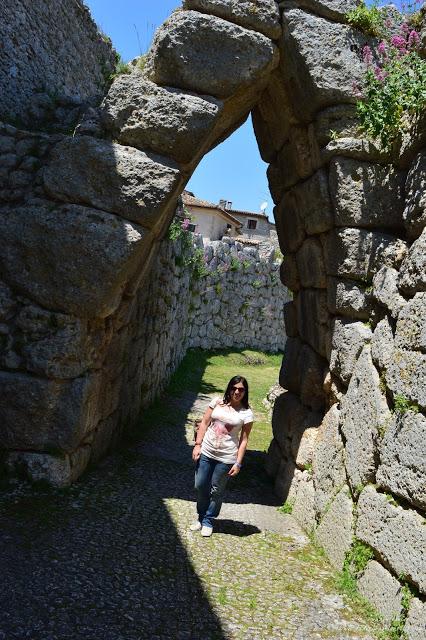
x: 393, y: 94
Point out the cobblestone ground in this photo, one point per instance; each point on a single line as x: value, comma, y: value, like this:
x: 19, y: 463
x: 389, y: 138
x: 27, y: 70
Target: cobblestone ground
x: 112, y: 558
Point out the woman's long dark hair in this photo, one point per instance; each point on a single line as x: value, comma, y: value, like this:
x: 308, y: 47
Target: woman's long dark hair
x: 233, y: 381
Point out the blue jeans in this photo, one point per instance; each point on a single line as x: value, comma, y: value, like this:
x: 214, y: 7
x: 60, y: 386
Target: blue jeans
x: 211, y: 477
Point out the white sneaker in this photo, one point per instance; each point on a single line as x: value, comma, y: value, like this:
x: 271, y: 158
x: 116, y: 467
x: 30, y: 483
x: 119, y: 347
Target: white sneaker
x: 195, y: 526
x: 206, y: 532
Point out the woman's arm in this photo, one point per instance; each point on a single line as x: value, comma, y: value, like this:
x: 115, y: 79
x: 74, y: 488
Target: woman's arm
x: 196, y: 452
x: 245, y: 432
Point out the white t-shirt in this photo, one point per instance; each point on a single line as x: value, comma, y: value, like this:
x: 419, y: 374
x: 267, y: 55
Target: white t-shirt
x: 222, y: 437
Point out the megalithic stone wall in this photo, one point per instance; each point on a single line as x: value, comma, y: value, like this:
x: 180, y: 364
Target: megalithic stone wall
x: 81, y: 222
x: 83, y: 213
x: 349, y: 430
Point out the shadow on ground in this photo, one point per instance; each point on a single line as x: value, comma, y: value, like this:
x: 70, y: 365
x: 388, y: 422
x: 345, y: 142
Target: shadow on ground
x: 103, y: 559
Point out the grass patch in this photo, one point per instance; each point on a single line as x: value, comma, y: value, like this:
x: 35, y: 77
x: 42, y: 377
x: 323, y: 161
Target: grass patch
x: 287, y: 507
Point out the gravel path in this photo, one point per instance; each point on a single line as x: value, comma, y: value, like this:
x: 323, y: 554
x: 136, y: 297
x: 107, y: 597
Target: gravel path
x: 112, y: 558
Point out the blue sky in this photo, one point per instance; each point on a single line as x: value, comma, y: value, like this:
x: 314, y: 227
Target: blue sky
x: 234, y: 170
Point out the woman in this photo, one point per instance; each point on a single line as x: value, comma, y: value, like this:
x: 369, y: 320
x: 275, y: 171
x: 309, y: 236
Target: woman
x: 219, y: 450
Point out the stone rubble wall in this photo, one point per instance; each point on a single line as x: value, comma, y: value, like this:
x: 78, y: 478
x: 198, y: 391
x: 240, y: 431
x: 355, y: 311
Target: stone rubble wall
x: 53, y: 58
x: 349, y: 426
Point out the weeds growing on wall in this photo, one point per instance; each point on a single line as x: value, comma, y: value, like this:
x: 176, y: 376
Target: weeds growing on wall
x: 393, y: 92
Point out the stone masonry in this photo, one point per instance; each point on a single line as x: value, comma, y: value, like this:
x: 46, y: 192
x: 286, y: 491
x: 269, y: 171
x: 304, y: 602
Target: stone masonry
x: 83, y: 219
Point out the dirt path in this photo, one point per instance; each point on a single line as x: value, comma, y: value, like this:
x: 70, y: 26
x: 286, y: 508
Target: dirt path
x: 112, y: 557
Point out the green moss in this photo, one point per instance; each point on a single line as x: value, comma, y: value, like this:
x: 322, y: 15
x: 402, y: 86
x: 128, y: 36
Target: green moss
x: 403, y: 404
x: 287, y: 507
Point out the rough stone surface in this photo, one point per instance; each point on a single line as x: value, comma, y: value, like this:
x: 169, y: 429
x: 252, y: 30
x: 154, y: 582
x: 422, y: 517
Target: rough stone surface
x: 167, y: 121
x: 311, y: 201
x: 310, y: 264
x: 348, y: 340
x: 366, y: 195
x: 412, y: 277
x: 39, y: 467
x: 380, y: 588
x: 264, y: 17
x: 398, y: 535
x: 327, y: 8
x: 382, y: 344
x: 312, y: 372
x: 385, y: 290
x: 328, y: 463
x: 402, y: 467
x: 304, y: 505
x: 406, y: 375
x: 108, y: 176
x: 88, y: 256
x: 39, y: 414
x: 415, y: 203
x: 289, y: 274
x: 208, y: 55
x: 415, y: 625
x: 335, y: 531
x: 60, y: 53
x: 364, y: 415
x: 359, y: 254
x: 313, y: 319
x: 303, y: 448
x: 290, y: 319
x: 411, y: 325
x: 312, y: 44
x: 348, y: 298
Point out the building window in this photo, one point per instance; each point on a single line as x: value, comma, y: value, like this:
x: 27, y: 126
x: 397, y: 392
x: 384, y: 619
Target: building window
x: 251, y: 224
x: 192, y: 227
x: 228, y: 226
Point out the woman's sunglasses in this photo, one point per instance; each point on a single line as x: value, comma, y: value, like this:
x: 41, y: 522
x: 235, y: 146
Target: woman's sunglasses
x: 237, y: 389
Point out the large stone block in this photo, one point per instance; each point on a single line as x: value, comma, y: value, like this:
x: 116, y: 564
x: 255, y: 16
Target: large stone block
x: 348, y: 298
x: 411, y: 325
x: 348, y: 340
x: 412, y: 277
x: 289, y: 274
x: 167, y: 121
x: 304, y: 504
x: 366, y: 195
x: 59, y: 471
x: 312, y: 373
x: 56, y: 345
x: 313, y: 320
x: 209, y: 55
x: 380, y: 588
x: 312, y: 200
x: 328, y: 8
x: 108, y: 176
x: 287, y: 481
x: 335, y: 531
x: 382, y: 344
x: 415, y: 625
x: 397, y: 535
x: 328, y: 465
x: 310, y: 264
x: 302, y: 448
x: 273, y: 459
x: 385, y: 290
x: 415, y: 203
x: 290, y: 419
x: 406, y: 375
x: 402, y: 467
x: 322, y: 59
x: 88, y: 256
x: 290, y: 319
x: 359, y: 254
x: 289, y: 223
x: 264, y: 16
x: 43, y: 415
x: 300, y: 156
x: 341, y: 119
x: 290, y: 367
x: 364, y: 416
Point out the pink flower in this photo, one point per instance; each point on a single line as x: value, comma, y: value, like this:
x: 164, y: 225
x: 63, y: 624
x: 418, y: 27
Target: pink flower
x: 379, y: 73
x: 413, y: 39
x: 382, y: 48
x: 405, y: 28
x: 367, y: 55
x: 399, y: 43
x: 185, y: 223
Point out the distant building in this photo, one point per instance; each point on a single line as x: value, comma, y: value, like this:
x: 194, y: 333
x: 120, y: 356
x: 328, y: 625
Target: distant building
x: 213, y: 221
x: 210, y: 220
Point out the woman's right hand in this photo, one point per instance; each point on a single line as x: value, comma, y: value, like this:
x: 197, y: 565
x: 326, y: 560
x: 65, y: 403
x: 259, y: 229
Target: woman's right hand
x: 196, y: 452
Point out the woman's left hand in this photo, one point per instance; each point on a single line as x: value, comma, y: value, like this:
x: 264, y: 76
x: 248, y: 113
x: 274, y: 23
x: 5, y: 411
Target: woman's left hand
x: 234, y: 470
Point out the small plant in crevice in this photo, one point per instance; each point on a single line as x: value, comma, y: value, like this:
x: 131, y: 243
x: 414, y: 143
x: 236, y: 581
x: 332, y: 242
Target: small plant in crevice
x: 287, y: 507
x: 401, y: 405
